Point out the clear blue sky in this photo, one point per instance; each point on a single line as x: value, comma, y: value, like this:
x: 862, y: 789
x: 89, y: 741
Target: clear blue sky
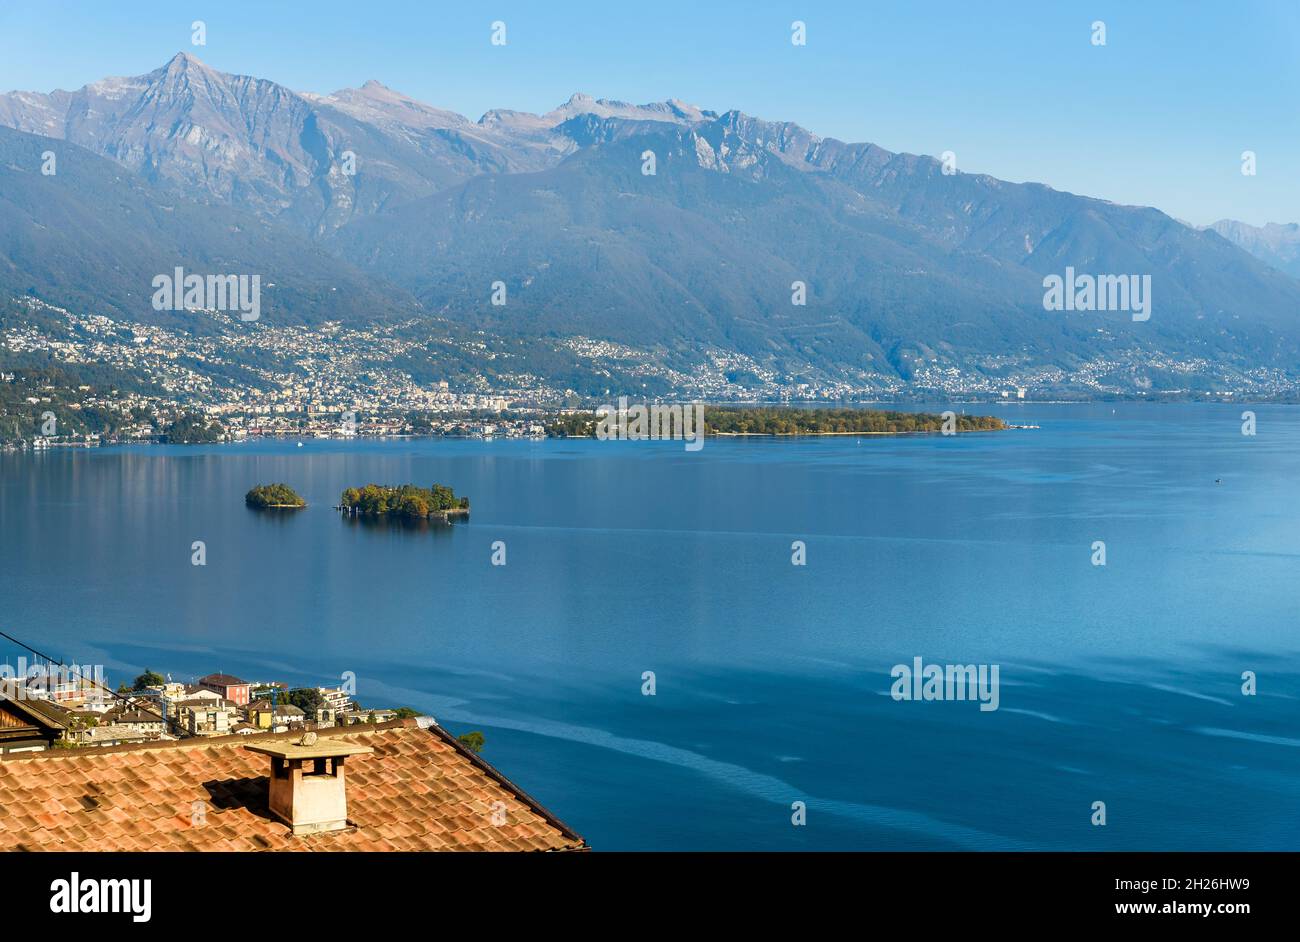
x: 1159, y: 116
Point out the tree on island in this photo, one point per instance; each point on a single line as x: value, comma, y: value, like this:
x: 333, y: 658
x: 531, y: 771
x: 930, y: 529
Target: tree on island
x: 148, y: 679
x: 406, y: 500
x: 267, y: 496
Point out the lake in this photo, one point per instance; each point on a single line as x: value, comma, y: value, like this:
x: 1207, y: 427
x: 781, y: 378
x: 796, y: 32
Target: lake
x: 1119, y: 683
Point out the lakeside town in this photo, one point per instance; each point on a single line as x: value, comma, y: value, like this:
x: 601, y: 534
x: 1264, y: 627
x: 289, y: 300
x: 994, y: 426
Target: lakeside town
x: 68, y: 708
x: 104, y: 381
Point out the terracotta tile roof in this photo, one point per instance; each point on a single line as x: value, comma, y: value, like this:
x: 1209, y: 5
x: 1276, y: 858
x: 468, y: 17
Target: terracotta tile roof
x: 222, y: 680
x: 419, y: 790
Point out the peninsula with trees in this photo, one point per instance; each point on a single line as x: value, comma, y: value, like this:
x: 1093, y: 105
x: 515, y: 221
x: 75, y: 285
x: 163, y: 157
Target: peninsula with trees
x: 787, y: 421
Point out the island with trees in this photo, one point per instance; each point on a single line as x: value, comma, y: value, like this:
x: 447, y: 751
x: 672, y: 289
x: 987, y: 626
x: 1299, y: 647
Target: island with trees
x: 274, y: 497
x: 405, y: 501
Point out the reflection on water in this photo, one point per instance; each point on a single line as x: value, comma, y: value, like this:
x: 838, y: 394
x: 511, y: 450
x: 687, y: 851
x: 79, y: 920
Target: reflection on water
x: 386, y: 522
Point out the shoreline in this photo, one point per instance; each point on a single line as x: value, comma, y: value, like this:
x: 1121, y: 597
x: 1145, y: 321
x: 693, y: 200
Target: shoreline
x: 7, y: 449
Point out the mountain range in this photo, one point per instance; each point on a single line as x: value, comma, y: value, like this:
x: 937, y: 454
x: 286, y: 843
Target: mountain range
x: 365, y: 204
x: 1278, y: 244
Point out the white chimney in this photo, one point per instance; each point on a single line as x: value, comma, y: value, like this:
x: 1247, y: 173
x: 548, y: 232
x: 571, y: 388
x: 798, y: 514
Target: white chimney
x: 308, y: 789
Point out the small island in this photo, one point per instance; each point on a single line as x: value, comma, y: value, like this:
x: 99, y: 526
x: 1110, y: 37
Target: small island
x: 406, y: 501
x: 274, y: 497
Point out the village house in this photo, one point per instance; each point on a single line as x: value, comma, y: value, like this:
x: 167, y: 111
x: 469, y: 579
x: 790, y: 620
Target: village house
x: 336, y: 698
x: 203, y: 717
x: 168, y: 695
x: 76, y: 689
x: 187, y: 693
x: 107, y: 734
x: 285, y: 714
x: 150, y: 725
x: 227, y: 687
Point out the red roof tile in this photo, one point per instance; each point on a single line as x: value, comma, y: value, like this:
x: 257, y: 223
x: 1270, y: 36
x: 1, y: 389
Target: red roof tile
x: 419, y: 790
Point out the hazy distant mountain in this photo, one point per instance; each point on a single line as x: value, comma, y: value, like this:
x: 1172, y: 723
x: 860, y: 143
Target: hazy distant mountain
x: 522, y: 123
x: 907, y: 268
x: 93, y: 236
x: 257, y: 145
x: 254, y: 144
x: 1278, y: 244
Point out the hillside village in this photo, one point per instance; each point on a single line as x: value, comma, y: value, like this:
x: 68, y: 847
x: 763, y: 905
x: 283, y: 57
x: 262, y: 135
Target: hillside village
x: 80, y: 713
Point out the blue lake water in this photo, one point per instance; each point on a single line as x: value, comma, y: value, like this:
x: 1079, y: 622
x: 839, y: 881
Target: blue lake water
x: 1119, y: 684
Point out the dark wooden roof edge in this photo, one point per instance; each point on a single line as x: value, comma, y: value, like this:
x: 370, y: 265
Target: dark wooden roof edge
x: 46, y: 712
